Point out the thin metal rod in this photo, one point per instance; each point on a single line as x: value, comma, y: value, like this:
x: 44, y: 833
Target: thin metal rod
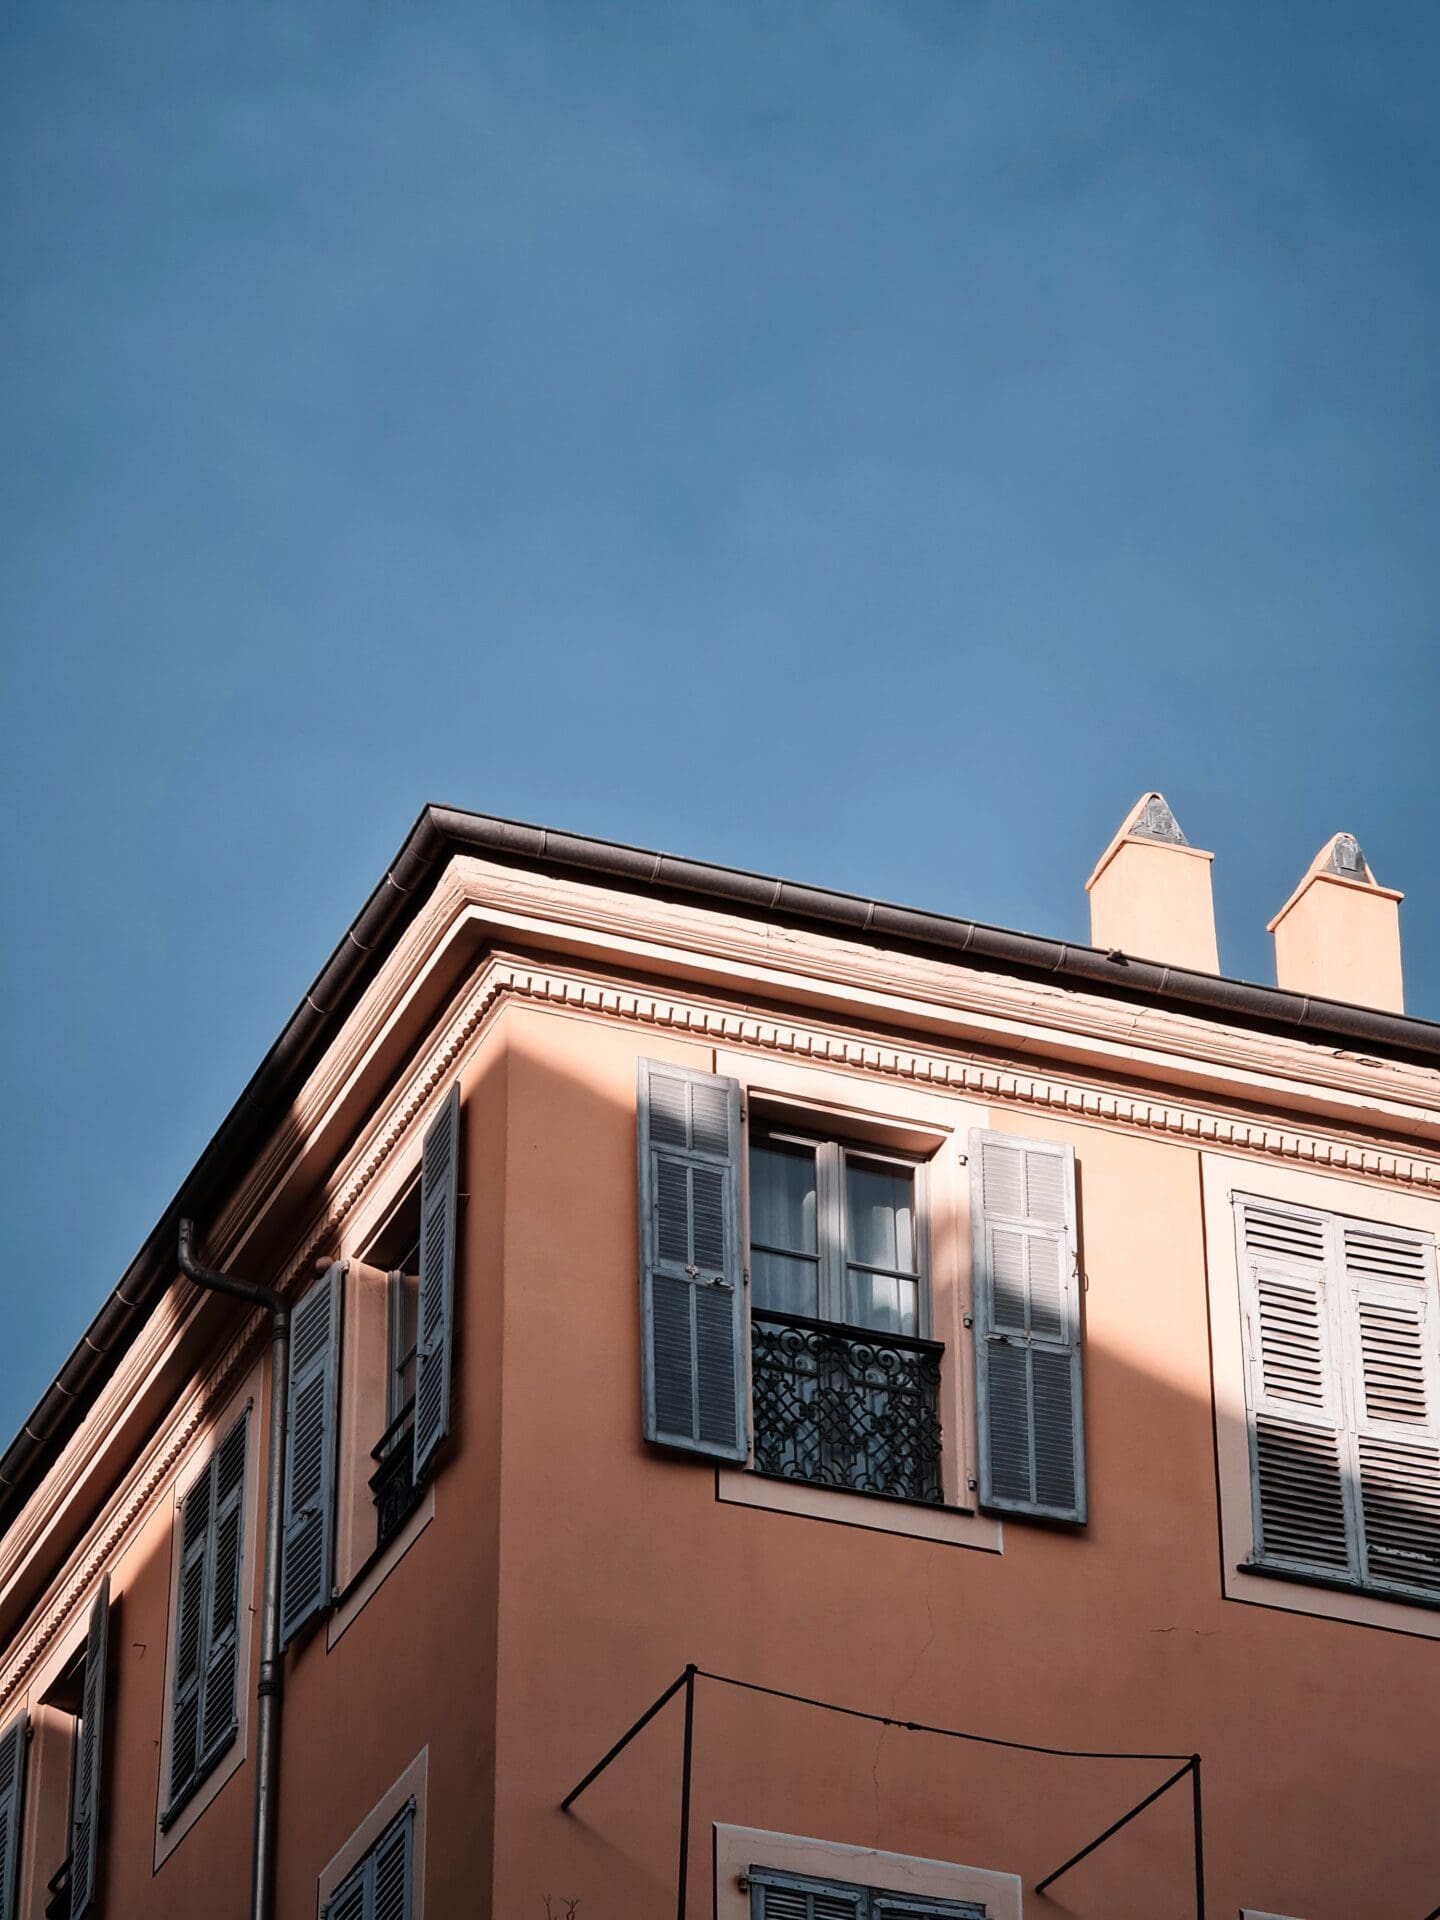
x: 683, y: 1878
x: 919, y: 1726
x: 625, y: 1738
x: 1199, y: 1838
x: 1123, y: 1821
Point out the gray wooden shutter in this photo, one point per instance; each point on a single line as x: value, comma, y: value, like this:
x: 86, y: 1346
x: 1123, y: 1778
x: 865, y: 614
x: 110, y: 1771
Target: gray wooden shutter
x: 1027, y: 1327
x: 1390, y: 1283
x: 313, y: 1389
x: 692, y: 1297
x: 12, y: 1801
x: 218, y: 1713
x: 379, y: 1888
x: 794, y: 1896
x: 203, y: 1716
x: 84, y: 1812
x: 439, y: 1203
x: 190, y: 1631
x: 393, y: 1866
x: 1300, y: 1488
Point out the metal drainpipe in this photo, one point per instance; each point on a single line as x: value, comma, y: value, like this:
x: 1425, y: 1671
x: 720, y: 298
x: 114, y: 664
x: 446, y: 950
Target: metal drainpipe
x: 268, y: 1692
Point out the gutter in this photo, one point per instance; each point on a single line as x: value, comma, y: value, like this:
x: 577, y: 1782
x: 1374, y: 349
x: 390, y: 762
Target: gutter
x: 442, y: 832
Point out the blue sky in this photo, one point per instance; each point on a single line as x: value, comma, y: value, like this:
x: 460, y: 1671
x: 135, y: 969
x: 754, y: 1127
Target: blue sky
x: 866, y: 442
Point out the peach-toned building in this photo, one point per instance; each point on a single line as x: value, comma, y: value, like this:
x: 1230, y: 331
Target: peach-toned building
x: 887, y: 1327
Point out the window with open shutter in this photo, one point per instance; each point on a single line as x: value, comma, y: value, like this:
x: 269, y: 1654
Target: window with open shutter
x: 691, y: 1272
x: 439, y: 1207
x: 1342, y: 1352
x: 791, y: 1896
x: 203, y: 1714
x: 313, y: 1391
x: 85, y: 1804
x: 1027, y: 1327
x: 379, y: 1885
x: 12, y: 1801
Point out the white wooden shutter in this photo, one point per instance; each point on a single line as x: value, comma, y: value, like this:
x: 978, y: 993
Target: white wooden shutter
x: 1303, y: 1501
x: 1394, y: 1353
x: 12, y: 1800
x: 84, y: 1812
x: 692, y: 1295
x: 1027, y: 1326
x: 439, y: 1205
x: 314, y: 1386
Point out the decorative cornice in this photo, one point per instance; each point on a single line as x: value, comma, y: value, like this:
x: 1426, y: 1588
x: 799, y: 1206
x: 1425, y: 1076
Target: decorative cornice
x: 104, y: 1546
x: 503, y: 979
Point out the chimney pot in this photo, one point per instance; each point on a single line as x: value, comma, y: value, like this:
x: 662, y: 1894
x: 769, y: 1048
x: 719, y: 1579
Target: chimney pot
x: 1150, y: 894
x: 1338, y: 935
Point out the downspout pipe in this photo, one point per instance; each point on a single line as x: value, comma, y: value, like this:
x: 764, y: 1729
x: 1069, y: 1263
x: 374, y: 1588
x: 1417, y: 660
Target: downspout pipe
x: 268, y: 1692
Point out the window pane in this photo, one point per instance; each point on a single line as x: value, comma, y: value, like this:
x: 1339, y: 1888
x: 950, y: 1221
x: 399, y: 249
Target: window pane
x: 782, y: 1197
x: 879, y: 1202
x: 882, y: 1302
x: 787, y: 1285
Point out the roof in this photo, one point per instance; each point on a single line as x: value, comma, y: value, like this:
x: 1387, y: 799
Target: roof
x: 442, y: 832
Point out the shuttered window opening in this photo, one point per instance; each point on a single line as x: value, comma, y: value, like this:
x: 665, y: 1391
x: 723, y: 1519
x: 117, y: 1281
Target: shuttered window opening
x: 379, y: 1886
x: 790, y: 1896
x: 86, y: 1774
x: 1027, y: 1327
x: 13, y: 1743
x: 439, y: 1210
x: 1341, y: 1324
x: 203, y: 1708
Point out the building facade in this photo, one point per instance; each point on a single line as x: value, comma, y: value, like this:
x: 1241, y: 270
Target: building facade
x: 979, y: 1380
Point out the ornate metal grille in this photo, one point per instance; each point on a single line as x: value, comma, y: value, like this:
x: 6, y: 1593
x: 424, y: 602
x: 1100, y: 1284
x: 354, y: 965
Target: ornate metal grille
x: 845, y: 1407
x: 393, y: 1481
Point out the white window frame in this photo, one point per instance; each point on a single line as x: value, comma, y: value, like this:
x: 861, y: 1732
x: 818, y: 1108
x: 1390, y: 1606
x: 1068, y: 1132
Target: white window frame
x: 921, y: 1127
x: 230, y: 1761
x: 411, y: 1785
x: 737, y: 1849
x: 1223, y: 1177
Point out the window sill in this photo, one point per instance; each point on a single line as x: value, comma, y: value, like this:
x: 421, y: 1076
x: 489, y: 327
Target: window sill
x: 1338, y: 1583
x: 372, y: 1574
x: 874, y: 1512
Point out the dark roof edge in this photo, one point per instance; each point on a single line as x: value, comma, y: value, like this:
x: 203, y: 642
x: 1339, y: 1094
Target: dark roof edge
x: 442, y: 831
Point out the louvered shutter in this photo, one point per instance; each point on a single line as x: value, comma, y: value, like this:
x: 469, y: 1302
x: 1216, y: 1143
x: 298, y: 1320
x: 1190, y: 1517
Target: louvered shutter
x: 190, y: 1631
x: 393, y: 1869
x: 203, y: 1716
x: 313, y: 1421
x: 12, y: 1802
x: 692, y: 1298
x: 790, y: 1896
x: 348, y: 1901
x: 1390, y: 1289
x: 1027, y: 1327
x: 218, y: 1715
x: 439, y: 1203
x: 1298, y: 1446
x: 84, y: 1813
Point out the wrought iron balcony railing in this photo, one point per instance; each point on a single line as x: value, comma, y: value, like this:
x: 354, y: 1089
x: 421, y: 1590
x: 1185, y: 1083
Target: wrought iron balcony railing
x: 845, y: 1407
x: 393, y: 1481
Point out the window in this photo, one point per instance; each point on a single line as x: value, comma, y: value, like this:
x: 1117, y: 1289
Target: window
x: 206, y: 1626
x: 832, y: 1362
x: 1341, y: 1339
x: 793, y: 1896
x: 844, y: 1390
x: 392, y: 1481
x: 77, y: 1703
x: 379, y: 1886
x: 366, y: 1426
